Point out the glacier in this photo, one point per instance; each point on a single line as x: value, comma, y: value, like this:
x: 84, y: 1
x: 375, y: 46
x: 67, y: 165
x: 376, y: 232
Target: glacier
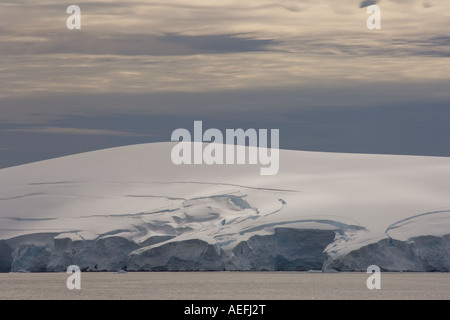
x: 130, y: 208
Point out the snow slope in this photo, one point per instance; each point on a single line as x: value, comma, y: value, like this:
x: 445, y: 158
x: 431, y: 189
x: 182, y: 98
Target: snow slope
x: 130, y: 207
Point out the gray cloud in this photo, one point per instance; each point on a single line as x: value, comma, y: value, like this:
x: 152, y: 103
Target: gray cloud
x: 74, y: 131
x: 133, y: 44
x: 260, y: 104
x: 437, y: 45
x: 366, y: 3
x: 386, y: 126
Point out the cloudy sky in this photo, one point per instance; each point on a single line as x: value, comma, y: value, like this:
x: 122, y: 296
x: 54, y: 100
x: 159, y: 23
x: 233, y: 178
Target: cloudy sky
x: 137, y: 70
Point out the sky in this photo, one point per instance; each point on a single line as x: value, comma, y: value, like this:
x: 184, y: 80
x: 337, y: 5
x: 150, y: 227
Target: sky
x: 137, y: 70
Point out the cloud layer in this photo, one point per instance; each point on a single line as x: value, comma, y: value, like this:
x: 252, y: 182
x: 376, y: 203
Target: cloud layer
x: 226, y: 59
x: 201, y: 46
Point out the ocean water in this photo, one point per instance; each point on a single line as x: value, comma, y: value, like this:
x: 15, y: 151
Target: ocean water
x: 224, y: 285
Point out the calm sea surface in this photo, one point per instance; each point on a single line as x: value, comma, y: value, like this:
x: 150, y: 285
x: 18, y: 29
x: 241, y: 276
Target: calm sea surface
x: 225, y: 285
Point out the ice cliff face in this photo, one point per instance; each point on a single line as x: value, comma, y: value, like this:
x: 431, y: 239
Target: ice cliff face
x: 130, y: 208
x: 423, y: 253
x: 284, y: 250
